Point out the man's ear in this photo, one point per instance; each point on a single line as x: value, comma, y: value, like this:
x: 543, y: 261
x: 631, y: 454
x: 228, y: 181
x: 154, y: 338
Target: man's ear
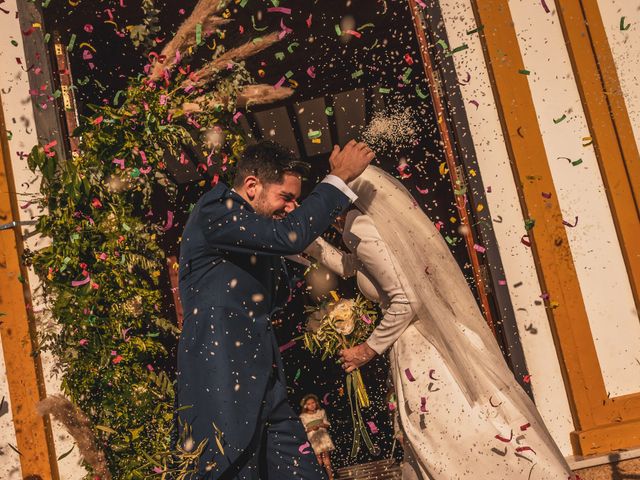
x: 250, y: 186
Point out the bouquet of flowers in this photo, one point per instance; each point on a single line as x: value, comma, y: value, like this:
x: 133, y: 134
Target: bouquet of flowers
x: 338, y: 325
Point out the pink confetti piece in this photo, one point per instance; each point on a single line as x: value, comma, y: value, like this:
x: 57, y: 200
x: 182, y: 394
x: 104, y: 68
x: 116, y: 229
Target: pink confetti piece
x: 475, y: 102
x: 567, y: 224
x: 423, y: 404
x: 304, y: 448
x: 525, y: 426
x: 236, y: 117
x: 411, y: 378
x: 145, y: 170
x: 422, y: 191
x: 280, y: 82
x: 157, y: 470
x: 83, y: 342
x: 365, y: 319
x: 26, y: 205
x: 311, y: 72
x: 525, y: 449
x: 143, y: 156
x: 287, y: 346
x: 86, y: 55
x: 325, y: 399
x: 372, y: 427
x: 421, y: 3
x: 79, y: 283
x: 119, y: 161
x: 502, y: 282
x: 392, y: 406
x: 309, y: 21
x: 525, y: 240
x: 169, y: 223
x: 284, y: 30
x: 546, y: 195
x: 88, y: 28
x: 479, y: 248
x: 150, y: 367
x: 354, y: 33
x: 286, y: 11
x: 503, y: 439
x: 103, y: 256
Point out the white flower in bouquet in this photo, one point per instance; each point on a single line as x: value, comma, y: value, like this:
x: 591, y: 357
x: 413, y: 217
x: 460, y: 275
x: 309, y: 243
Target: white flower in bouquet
x: 343, y: 315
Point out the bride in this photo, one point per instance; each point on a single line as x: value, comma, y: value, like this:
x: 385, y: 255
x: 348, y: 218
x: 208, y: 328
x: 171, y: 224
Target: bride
x: 462, y: 413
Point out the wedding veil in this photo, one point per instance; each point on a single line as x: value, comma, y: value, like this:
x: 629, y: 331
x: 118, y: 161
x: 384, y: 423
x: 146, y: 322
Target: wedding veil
x: 447, y: 312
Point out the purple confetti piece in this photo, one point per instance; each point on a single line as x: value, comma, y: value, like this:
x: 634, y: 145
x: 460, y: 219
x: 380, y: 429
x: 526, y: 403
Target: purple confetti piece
x: 544, y: 5
x: 79, y: 283
x: 407, y: 372
x: 423, y: 404
x: 325, y: 399
x: 287, y: 346
x: 169, y: 223
x: 567, y: 224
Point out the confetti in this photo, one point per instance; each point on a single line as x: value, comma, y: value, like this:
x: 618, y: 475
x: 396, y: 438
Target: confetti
x: 622, y: 25
x: 544, y: 5
x: 558, y: 120
x: 372, y: 427
x: 79, y: 283
x: 410, y: 377
x: 423, y: 404
x: 167, y: 226
x: 304, y: 448
x: 72, y: 42
x: 286, y: 11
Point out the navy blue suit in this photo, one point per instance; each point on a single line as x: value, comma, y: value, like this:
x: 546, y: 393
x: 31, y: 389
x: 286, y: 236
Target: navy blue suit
x: 230, y: 378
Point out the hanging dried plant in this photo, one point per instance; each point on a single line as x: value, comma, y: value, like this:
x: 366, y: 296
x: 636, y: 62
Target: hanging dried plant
x: 209, y: 70
x: 204, y: 15
x: 79, y: 427
x: 260, y: 94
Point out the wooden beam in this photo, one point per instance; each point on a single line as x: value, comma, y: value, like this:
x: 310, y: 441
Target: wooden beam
x: 602, y: 424
x: 549, y: 243
x: 610, y: 128
x: 17, y: 332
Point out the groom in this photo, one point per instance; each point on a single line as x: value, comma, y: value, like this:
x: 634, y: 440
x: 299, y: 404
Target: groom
x: 231, y: 389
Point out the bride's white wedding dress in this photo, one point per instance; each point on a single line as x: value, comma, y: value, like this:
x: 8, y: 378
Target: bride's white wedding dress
x: 452, y: 431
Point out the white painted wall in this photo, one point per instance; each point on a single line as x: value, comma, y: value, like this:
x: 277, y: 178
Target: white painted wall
x: 625, y: 48
x: 604, y: 282
x: 9, y: 460
x: 18, y: 114
x: 495, y: 168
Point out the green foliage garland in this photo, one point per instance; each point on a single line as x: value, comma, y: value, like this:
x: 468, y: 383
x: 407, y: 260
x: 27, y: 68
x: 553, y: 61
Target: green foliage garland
x: 102, y: 268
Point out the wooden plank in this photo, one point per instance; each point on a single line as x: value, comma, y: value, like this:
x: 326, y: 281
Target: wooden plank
x: 17, y: 331
x: 609, y: 124
x: 549, y: 243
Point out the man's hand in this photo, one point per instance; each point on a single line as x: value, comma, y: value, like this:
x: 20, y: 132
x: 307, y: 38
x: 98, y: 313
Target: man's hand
x: 351, y: 161
x: 357, y: 356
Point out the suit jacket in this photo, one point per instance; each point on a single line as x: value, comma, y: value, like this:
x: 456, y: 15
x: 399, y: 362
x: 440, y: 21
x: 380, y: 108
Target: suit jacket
x: 231, y: 280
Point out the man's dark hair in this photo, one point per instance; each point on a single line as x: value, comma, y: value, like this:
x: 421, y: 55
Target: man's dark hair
x: 268, y: 161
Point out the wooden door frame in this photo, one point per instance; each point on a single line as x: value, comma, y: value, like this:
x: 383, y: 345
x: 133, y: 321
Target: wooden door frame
x: 602, y: 424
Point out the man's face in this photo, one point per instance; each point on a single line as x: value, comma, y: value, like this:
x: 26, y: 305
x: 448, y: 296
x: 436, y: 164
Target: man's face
x: 278, y: 199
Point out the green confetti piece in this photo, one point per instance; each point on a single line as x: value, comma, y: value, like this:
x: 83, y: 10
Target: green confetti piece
x: 199, y: 34
x: 126, y: 227
x: 117, y: 97
x: 476, y: 30
x: 558, y: 120
x: 21, y: 278
x: 328, y: 111
x: 14, y: 43
x: 9, y: 135
x: 258, y: 29
x: 295, y: 379
x: 289, y: 74
x: 529, y: 223
x: 279, y: 55
x: 275, y: 2
x: 443, y: 44
x: 72, y: 42
x: 420, y: 93
x: 366, y: 25
x: 291, y: 47
x: 622, y: 26
x: 314, y: 134
x: 135, y: 173
x: 46, y: 3
x: 384, y: 90
x: 357, y: 74
x: 524, y: 72
x: 405, y: 75
x: 243, y: 3
x: 462, y: 47
x: 338, y: 31
x: 57, y: 94
x: 576, y: 162
x: 450, y: 240
x: 47, y: 37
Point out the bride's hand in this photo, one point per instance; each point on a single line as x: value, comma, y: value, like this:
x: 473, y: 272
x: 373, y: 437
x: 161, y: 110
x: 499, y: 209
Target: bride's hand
x: 357, y: 356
